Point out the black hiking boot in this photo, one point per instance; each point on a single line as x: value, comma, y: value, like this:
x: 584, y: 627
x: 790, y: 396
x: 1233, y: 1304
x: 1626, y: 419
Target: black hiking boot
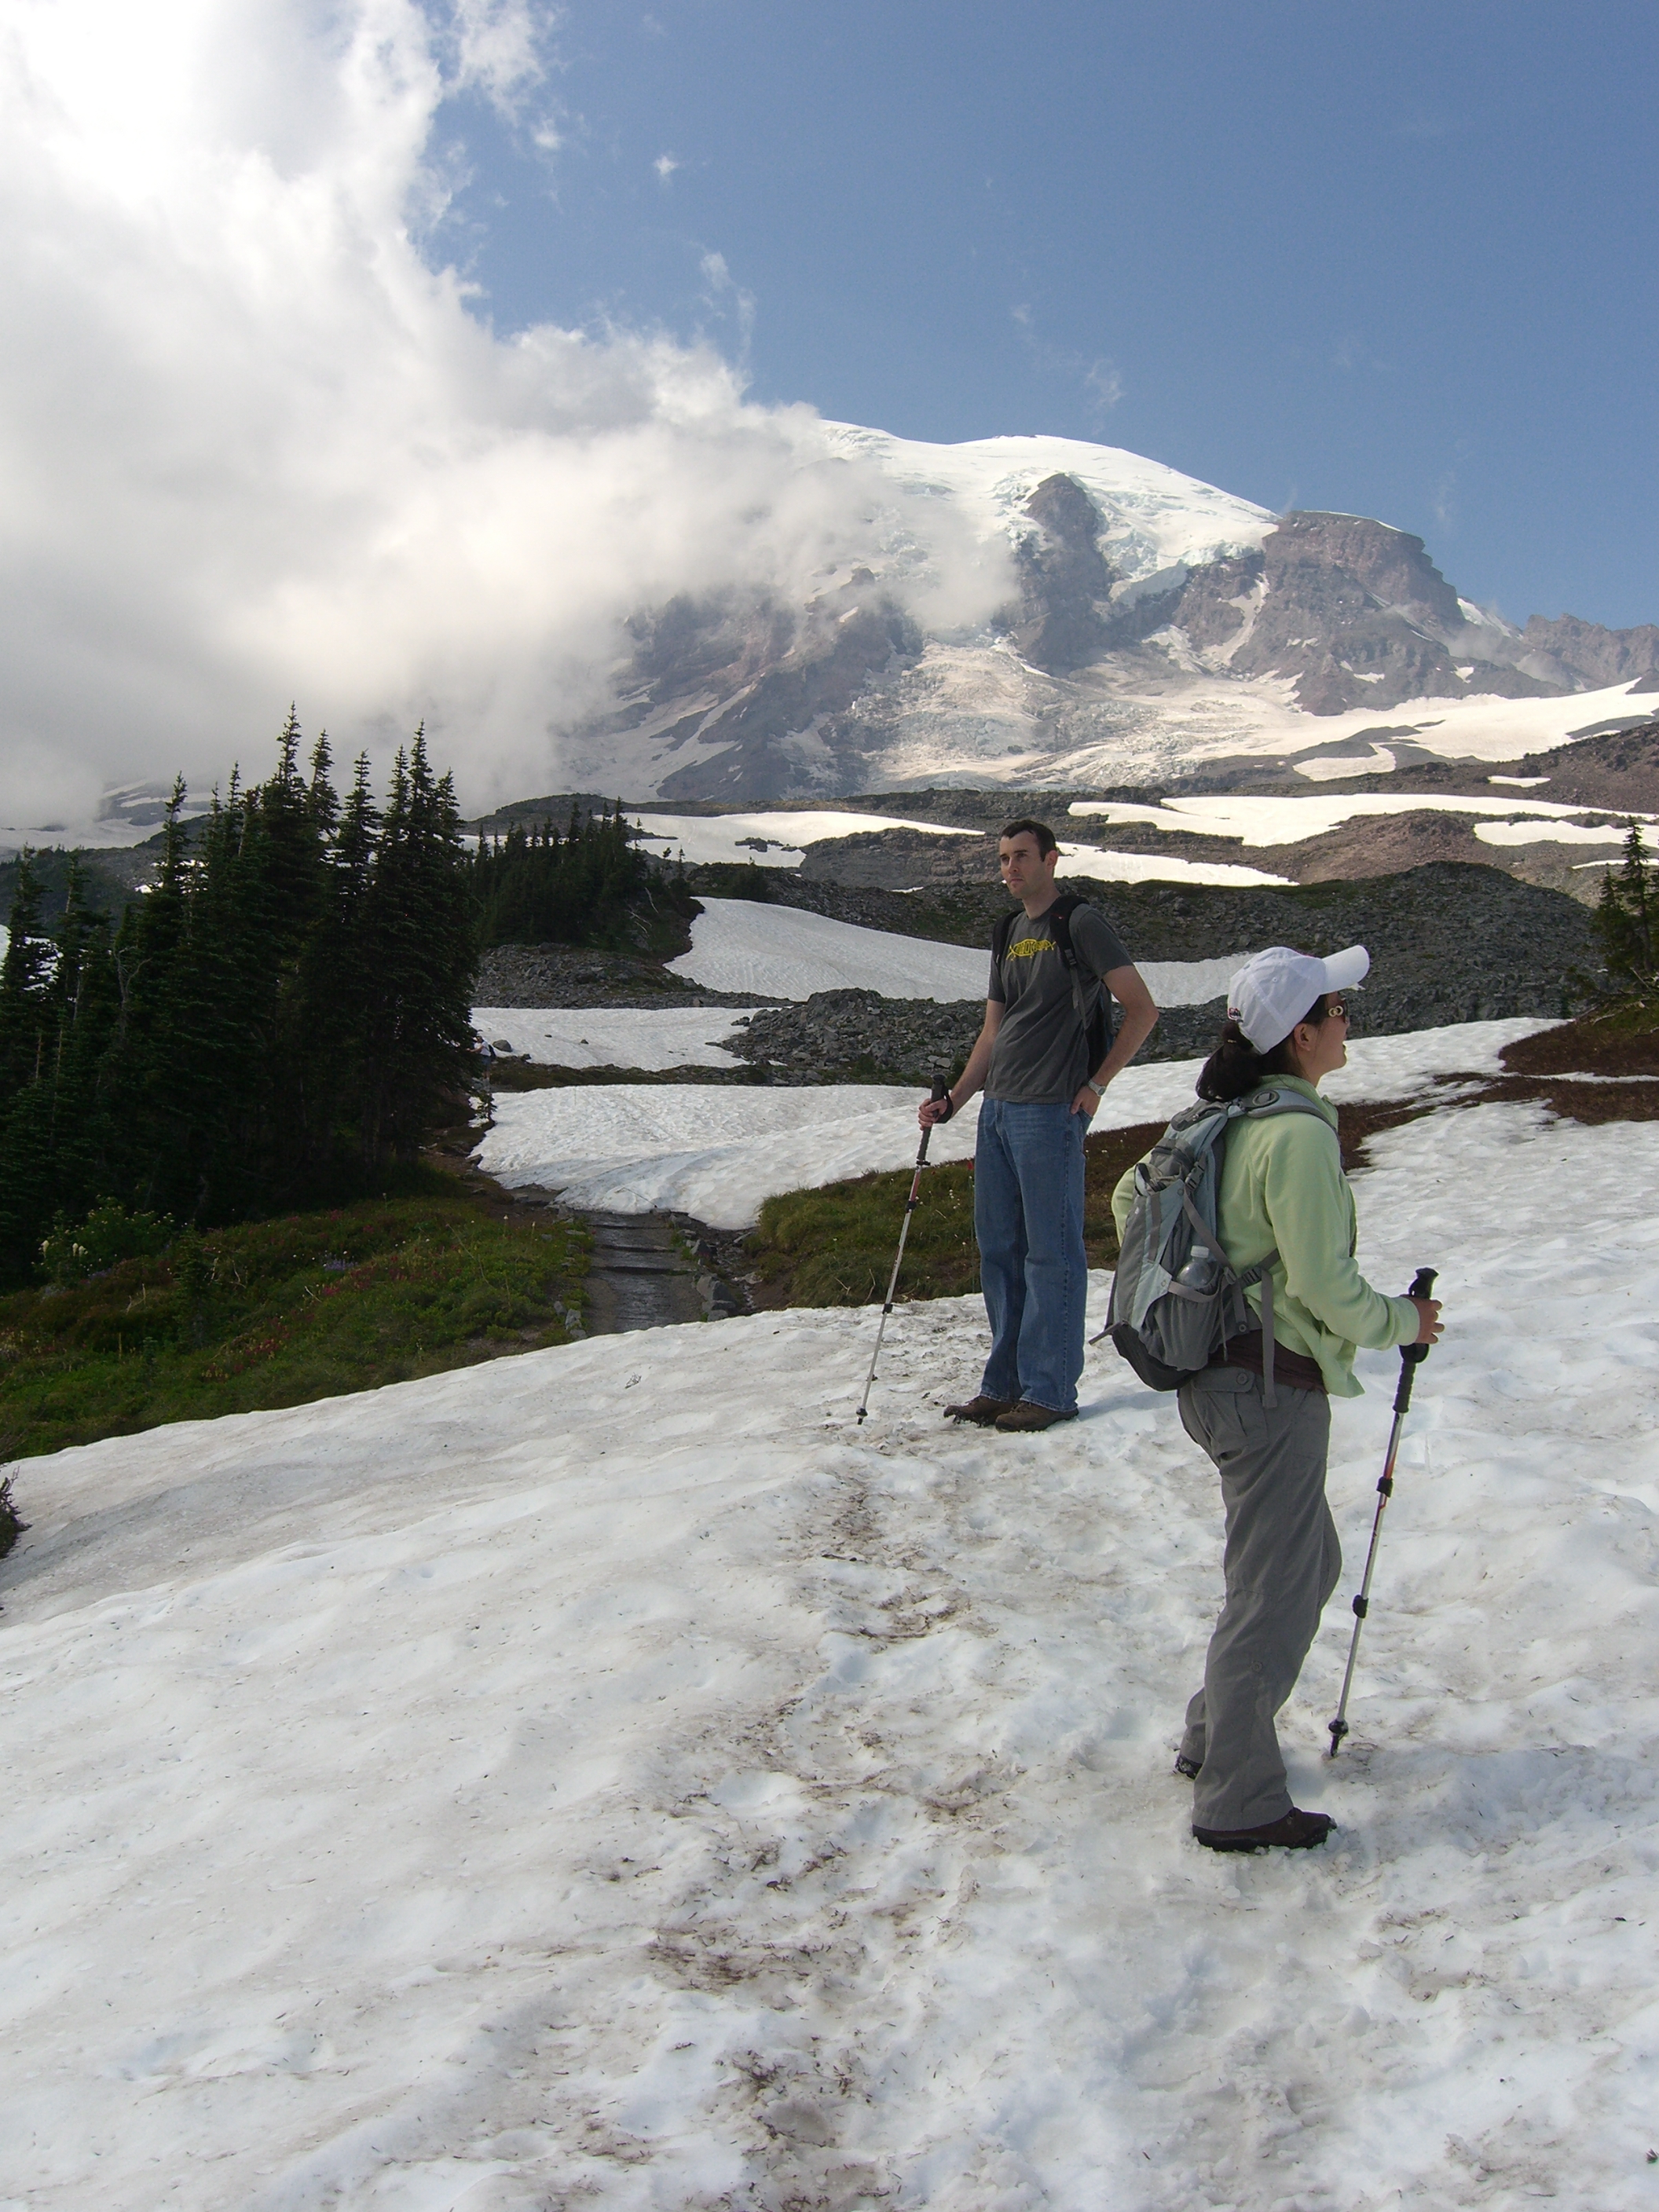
x: 1294, y: 1831
x: 982, y: 1411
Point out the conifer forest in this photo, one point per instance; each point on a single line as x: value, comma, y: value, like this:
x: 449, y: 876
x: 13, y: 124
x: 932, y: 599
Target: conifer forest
x: 280, y: 1018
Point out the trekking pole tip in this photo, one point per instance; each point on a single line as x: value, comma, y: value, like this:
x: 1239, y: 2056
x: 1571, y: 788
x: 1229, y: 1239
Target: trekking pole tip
x: 1339, y: 1729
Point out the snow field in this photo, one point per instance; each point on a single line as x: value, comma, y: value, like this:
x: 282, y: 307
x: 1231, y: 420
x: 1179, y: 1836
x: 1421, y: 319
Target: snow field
x: 610, y: 1777
x: 716, y: 1151
x: 1154, y: 516
x: 711, y: 1150
x: 784, y: 952
x: 1265, y: 821
x: 1110, y: 867
x: 650, y: 1038
x: 776, y: 840
x: 1554, y: 833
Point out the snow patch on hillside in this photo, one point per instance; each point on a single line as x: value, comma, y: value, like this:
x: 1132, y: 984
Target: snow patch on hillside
x: 649, y: 1038
x: 1110, y: 867
x: 1273, y: 820
x: 718, y: 1152
x: 610, y: 1777
x: 711, y: 1150
x: 776, y: 840
x: 784, y: 952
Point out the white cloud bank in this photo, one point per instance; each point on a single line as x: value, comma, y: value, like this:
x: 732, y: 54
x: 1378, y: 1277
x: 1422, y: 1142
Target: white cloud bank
x: 255, y: 448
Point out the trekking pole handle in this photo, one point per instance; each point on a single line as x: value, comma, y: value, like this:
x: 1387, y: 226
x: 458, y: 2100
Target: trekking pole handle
x: 941, y: 1089
x: 1412, y: 1356
x: 1422, y: 1287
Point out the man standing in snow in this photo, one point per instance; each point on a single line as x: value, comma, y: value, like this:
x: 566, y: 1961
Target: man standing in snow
x: 1042, y: 1088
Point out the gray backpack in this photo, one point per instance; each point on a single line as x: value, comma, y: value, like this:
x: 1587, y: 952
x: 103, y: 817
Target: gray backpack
x: 1176, y: 1297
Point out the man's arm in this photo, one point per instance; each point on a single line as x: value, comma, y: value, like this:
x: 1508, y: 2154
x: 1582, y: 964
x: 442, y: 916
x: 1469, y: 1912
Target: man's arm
x: 940, y: 1109
x: 1129, y: 987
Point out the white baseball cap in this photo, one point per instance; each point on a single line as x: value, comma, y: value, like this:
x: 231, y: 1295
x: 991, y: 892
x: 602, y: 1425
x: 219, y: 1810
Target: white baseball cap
x: 1274, y: 990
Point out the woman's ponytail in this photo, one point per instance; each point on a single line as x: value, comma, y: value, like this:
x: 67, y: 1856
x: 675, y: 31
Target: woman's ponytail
x: 1232, y: 1069
x: 1236, y: 1067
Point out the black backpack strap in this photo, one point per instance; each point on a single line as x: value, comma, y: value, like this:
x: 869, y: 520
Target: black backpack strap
x: 999, y: 936
x: 1059, y: 918
x: 1097, y: 1025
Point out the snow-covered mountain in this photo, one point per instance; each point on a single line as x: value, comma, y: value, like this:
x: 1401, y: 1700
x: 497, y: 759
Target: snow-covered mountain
x: 1151, y: 624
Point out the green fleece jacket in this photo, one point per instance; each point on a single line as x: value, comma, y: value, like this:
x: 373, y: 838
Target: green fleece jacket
x: 1282, y: 1187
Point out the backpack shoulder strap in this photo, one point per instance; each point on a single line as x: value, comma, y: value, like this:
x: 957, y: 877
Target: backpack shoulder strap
x: 1264, y: 1105
x: 1001, y: 934
x: 1060, y: 920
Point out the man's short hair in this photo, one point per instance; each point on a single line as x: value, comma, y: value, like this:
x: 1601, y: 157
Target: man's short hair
x: 1046, y: 839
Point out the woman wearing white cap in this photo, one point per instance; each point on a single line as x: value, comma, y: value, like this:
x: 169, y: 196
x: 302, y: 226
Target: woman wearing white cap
x: 1281, y: 1189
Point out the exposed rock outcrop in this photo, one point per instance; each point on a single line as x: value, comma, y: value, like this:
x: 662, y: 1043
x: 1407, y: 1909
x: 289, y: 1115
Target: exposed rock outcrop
x: 1067, y: 586
x: 1584, y: 653
x: 1356, y: 612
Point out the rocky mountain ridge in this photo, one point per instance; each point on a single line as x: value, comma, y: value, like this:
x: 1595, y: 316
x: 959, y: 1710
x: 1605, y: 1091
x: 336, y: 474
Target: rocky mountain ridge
x: 1109, y: 659
x: 1093, y: 671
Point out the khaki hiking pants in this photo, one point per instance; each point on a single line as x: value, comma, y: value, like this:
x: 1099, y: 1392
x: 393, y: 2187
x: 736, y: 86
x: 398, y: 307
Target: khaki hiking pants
x: 1282, y: 1562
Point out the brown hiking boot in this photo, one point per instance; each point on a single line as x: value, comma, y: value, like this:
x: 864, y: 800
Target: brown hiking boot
x: 982, y: 1411
x: 1294, y: 1831
x: 1026, y: 1415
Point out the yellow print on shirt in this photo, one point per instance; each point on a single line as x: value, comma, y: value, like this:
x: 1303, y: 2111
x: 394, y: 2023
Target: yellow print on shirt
x: 1029, y: 947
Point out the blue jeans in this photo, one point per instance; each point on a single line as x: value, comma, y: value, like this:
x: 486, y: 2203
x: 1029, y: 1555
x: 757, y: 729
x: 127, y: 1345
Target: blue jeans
x: 1028, y: 1217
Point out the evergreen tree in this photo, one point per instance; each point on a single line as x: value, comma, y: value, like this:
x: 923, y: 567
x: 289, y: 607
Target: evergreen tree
x: 85, y: 1002
x: 418, y: 935
x: 25, y: 984
x: 1627, y: 917
x: 593, y: 886
x: 58, y: 1006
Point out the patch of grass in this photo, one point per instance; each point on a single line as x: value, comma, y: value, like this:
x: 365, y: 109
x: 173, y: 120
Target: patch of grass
x: 281, y: 1312
x: 834, y: 1246
x: 1621, y: 1039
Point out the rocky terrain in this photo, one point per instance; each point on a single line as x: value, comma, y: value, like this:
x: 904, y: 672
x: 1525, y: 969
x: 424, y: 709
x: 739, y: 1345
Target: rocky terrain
x: 1448, y: 943
x: 854, y: 1035
x: 562, y: 976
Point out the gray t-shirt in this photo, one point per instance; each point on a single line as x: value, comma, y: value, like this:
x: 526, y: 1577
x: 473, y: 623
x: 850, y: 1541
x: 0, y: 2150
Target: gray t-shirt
x: 1041, y: 1056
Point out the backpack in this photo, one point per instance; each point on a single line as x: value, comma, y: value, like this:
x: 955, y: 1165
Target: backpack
x: 1093, y: 1015
x: 1176, y: 1299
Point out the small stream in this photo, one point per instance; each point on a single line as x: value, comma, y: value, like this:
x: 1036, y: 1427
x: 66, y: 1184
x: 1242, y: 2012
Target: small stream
x: 641, y: 1275
x: 654, y: 1270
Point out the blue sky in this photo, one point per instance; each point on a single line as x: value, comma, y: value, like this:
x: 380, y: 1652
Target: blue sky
x: 1398, y: 260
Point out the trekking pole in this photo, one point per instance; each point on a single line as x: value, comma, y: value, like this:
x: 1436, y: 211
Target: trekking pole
x: 1412, y: 1357
x: 940, y: 1087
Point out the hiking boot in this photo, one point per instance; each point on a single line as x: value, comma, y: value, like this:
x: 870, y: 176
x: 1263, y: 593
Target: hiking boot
x: 1294, y: 1831
x: 1027, y: 1415
x: 1188, y: 1769
x: 982, y: 1411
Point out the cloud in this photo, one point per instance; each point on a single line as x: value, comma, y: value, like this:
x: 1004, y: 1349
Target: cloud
x: 1104, y: 385
x: 1100, y: 380
x: 665, y: 165
x: 255, y: 448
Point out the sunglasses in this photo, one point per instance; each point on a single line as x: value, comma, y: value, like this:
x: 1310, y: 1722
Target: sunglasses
x: 1337, y: 1011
